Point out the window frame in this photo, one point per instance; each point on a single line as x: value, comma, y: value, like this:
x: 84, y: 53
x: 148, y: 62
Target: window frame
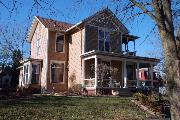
x: 57, y: 35
x: 105, y: 30
x: 38, y: 46
x: 36, y: 63
x: 26, y: 73
x: 59, y: 62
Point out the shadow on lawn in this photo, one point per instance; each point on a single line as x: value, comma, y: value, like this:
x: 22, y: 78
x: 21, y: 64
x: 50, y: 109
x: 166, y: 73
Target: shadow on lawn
x: 57, y: 101
x: 55, y: 107
x: 40, y: 101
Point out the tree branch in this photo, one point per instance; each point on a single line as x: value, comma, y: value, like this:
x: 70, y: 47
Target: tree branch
x: 143, y: 9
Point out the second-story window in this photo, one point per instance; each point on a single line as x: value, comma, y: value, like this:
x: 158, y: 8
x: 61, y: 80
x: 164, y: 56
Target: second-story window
x: 37, y: 46
x: 59, y: 43
x: 104, y: 40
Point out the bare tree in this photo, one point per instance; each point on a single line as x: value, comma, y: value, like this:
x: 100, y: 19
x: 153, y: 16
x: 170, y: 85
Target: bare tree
x: 162, y: 14
x: 12, y: 37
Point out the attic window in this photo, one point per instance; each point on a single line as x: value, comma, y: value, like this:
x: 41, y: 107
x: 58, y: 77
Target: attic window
x: 59, y: 43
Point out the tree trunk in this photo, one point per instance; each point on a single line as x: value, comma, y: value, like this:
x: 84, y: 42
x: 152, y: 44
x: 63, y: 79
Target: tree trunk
x: 172, y: 69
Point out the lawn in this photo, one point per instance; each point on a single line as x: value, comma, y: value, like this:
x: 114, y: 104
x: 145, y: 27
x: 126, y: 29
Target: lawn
x: 68, y: 108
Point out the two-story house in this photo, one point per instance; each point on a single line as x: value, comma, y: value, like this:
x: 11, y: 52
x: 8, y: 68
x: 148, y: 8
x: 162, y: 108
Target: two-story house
x: 61, y: 50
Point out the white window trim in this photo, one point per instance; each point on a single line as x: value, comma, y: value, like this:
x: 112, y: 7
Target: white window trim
x: 27, y: 82
x: 104, y: 30
x: 55, y: 61
x: 58, y: 34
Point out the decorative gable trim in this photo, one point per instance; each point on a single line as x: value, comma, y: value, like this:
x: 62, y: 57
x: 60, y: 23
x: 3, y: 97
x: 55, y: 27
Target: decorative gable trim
x: 110, y: 14
x: 33, y: 27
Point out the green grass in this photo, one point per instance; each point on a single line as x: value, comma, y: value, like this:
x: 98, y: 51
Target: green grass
x: 68, y: 108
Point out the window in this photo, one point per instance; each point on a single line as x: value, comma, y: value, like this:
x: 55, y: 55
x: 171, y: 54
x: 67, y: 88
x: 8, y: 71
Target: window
x: 146, y: 74
x: 26, y: 69
x: 104, y: 41
x: 59, y: 43
x: 35, y: 73
x: 57, y: 72
x: 37, y: 47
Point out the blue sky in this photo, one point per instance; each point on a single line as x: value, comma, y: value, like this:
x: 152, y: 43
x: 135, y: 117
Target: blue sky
x: 73, y: 11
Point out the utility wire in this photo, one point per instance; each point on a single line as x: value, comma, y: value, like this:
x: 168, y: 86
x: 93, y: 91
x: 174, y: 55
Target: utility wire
x: 147, y: 36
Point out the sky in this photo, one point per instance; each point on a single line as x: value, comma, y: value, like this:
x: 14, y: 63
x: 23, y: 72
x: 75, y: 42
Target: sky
x: 73, y: 11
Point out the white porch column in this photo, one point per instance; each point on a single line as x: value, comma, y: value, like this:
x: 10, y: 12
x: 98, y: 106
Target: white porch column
x: 83, y: 72
x: 29, y: 72
x: 137, y: 75
x: 151, y: 73
x: 96, y: 62
x: 125, y: 75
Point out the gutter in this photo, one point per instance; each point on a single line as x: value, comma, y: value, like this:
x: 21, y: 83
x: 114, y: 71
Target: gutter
x: 74, y: 26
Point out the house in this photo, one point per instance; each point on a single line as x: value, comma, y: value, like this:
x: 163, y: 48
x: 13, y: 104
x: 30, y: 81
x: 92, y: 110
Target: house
x: 144, y: 77
x: 5, y: 79
x: 63, y: 52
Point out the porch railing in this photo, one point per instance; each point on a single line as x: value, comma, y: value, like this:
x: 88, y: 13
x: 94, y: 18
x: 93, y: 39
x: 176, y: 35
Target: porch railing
x: 147, y: 83
x: 89, y: 82
x: 108, y: 83
x: 131, y: 83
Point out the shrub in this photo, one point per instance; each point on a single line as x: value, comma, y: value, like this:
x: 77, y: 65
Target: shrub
x: 138, y: 96
x: 148, y: 100
x: 75, y: 89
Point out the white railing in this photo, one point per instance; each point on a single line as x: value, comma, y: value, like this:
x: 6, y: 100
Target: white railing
x: 89, y: 82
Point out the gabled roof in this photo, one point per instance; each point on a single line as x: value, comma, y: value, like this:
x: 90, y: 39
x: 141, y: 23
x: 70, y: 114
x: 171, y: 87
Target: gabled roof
x: 110, y: 13
x: 48, y: 23
x: 106, y: 11
x: 54, y: 24
x: 66, y: 27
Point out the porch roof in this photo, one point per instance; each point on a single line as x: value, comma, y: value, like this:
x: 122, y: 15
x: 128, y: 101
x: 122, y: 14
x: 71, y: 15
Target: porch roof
x: 30, y: 59
x: 127, y: 37
x: 120, y: 56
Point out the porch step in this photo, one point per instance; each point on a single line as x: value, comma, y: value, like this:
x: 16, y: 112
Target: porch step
x: 125, y: 92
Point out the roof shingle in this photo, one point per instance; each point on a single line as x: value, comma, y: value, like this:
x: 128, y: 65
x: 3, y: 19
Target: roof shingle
x: 54, y: 24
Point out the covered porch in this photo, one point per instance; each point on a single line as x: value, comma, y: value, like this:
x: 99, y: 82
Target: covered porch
x: 30, y: 73
x: 119, y: 71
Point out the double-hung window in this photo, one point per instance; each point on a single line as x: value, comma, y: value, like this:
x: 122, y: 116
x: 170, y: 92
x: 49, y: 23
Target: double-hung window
x: 57, y: 72
x: 104, y: 40
x: 35, y: 73
x: 26, y: 74
x: 59, y: 43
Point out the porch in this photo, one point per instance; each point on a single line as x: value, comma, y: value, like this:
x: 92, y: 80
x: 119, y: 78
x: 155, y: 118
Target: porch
x: 113, y: 72
x: 30, y: 73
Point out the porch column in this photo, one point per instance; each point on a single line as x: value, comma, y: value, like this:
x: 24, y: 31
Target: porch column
x: 137, y: 75
x: 151, y: 74
x: 83, y: 73
x: 125, y: 75
x: 29, y: 72
x: 96, y: 62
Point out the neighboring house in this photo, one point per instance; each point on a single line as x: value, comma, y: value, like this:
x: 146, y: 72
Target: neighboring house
x: 145, y: 79
x: 5, y: 79
x: 61, y: 50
